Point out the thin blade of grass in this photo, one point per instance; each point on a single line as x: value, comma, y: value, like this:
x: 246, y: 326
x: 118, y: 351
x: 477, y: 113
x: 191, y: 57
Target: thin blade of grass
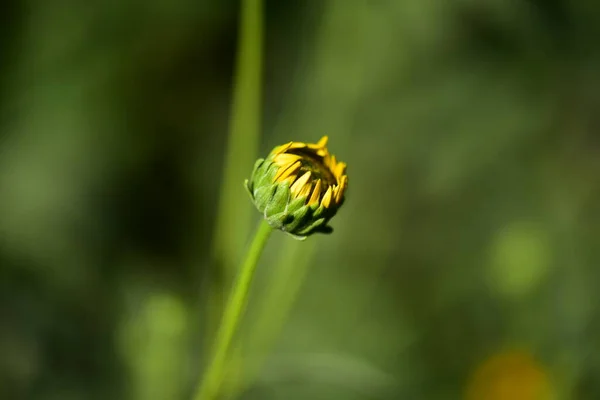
x: 234, y: 211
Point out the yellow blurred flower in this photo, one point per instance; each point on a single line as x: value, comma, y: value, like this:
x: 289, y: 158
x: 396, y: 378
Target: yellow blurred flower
x: 513, y: 375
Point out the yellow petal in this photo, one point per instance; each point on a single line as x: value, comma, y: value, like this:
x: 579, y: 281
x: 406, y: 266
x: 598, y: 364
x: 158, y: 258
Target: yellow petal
x: 297, y: 145
x: 334, y: 191
x: 326, y: 202
x: 290, y: 179
x: 340, y: 169
x: 341, y: 189
x: 284, y: 172
x: 320, y: 147
x: 322, y: 152
x: 323, y: 141
x: 299, y: 184
x: 282, y: 148
x: 305, y: 191
x: 314, y: 199
x: 285, y: 158
x: 332, y: 162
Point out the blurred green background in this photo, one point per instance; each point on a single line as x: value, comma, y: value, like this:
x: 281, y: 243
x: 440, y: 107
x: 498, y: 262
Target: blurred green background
x: 463, y: 264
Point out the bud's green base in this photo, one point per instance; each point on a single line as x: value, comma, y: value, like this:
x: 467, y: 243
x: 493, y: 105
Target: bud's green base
x: 279, y: 207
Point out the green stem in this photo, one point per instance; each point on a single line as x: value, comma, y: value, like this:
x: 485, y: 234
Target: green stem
x: 272, y: 311
x: 213, y: 377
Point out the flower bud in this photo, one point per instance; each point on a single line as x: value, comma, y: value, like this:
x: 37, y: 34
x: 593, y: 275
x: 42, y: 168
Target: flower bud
x: 298, y: 187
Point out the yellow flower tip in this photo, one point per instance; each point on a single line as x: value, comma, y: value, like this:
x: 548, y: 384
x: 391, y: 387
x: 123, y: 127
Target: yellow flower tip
x: 323, y: 141
x: 340, y: 170
x: 290, y: 179
x: 299, y: 184
x: 305, y: 191
x: 286, y: 171
x: 331, y: 162
x: 316, y: 194
x: 311, y: 171
x: 344, y: 182
x: 341, y: 189
x: 320, y: 148
x: 326, y: 202
x: 282, y: 148
x: 298, y: 145
x: 284, y: 159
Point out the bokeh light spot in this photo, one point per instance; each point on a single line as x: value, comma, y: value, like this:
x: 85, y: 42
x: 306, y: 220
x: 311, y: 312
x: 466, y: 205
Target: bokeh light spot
x: 519, y: 260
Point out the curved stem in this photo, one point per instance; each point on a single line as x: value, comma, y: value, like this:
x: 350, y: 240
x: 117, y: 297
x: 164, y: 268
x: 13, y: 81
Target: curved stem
x: 211, y: 382
x: 273, y: 308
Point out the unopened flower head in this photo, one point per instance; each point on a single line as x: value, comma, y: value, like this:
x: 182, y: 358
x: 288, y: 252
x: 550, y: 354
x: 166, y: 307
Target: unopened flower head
x: 299, y: 187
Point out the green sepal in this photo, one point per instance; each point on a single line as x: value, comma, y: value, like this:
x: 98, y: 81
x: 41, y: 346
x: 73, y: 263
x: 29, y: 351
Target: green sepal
x: 296, y: 237
x: 248, y: 188
x: 278, y: 203
x: 311, y: 227
x: 298, y: 219
x: 324, y: 229
x: 265, y: 174
x: 263, y: 195
x: 318, y: 213
x: 296, y: 204
x: 278, y: 220
x: 257, y: 165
